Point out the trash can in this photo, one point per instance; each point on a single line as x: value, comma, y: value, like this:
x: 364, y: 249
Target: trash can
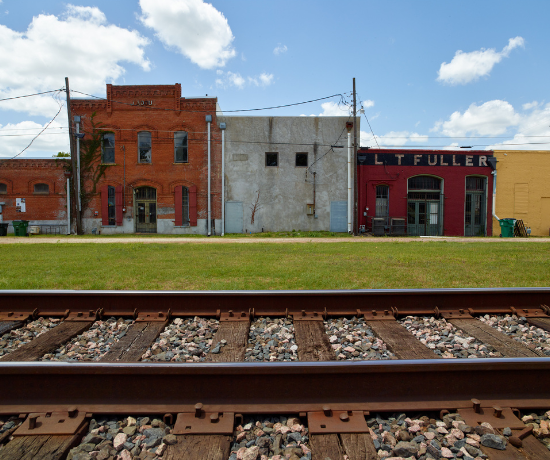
x: 507, y: 227
x: 3, y: 229
x: 20, y: 227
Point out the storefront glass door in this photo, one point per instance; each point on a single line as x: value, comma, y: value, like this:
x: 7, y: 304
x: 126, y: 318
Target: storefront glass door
x: 146, y: 210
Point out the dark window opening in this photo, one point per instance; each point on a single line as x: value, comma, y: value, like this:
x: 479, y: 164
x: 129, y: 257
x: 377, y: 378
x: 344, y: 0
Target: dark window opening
x: 424, y: 183
x: 475, y: 184
x: 144, y: 146
x: 180, y: 147
x: 111, y: 203
x: 184, y: 206
x: 301, y: 160
x: 272, y: 159
x: 41, y: 188
x: 3, y: 188
x: 108, y: 148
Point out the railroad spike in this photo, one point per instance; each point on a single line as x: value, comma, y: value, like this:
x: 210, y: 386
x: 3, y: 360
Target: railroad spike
x: 477, y: 405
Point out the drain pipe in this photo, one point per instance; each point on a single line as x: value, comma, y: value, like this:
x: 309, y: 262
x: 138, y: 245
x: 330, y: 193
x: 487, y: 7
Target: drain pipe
x: 209, y: 225
x: 349, y: 126
x: 494, y: 173
x: 222, y: 127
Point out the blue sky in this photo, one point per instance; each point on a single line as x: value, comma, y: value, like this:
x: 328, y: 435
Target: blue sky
x: 428, y: 73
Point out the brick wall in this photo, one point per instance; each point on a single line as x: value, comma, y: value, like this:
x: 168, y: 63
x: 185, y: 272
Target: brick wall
x: 20, y: 177
x: 160, y: 110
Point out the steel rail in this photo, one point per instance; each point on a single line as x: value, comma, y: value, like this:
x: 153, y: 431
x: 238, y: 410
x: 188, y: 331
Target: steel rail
x: 274, y: 387
x: 274, y: 303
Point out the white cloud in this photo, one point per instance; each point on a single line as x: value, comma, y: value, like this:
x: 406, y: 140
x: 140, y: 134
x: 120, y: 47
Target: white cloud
x: 334, y: 109
x: 280, y: 49
x: 467, y: 67
x: 228, y: 79
x: 15, y: 137
x: 81, y: 45
x: 195, y: 28
x: 391, y: 139
x: 530, y: 105
x: 536, y: 124
x: 491, y: 118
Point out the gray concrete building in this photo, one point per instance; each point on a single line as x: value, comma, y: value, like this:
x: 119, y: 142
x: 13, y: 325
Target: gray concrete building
x: 281, y: 174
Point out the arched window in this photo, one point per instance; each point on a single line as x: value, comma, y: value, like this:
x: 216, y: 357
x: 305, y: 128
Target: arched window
x: 144, y: 147
x: 42, y: 189
x: 108, y: 148
x: 3, y: 188
x: 180, y: 147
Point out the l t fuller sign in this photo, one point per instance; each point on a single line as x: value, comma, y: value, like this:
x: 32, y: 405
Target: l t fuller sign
x: 408, y: 159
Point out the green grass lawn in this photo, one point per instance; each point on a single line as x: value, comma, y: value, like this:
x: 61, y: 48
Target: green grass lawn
x: 273, y: 266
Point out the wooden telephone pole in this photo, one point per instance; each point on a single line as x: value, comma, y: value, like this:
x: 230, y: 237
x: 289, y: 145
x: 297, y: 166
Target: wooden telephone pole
x: 355, y: 229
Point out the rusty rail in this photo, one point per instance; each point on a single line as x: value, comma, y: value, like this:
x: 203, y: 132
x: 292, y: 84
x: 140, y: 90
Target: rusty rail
x: 274, y: 387
x: 273, y: 303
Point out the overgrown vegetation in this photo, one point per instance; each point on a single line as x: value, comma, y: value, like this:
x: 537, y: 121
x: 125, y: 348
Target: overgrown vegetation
x: 344, y: 265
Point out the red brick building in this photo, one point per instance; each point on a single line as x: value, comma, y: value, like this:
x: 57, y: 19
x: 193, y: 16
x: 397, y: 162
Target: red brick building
x: 425, y: 192
x: 34, y: 190
x: 154, y: 152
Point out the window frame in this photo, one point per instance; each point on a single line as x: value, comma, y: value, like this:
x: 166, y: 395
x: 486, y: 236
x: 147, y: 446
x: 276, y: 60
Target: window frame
x: 38, y: 192
x: 186, y: 147
x: 150, y: 138
x: 103, y: 159
x: 277, y: 160
x: 296, y: 160
x: 383, y: 199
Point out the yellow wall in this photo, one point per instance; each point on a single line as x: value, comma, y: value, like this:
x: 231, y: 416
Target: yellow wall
x: 523, y: 189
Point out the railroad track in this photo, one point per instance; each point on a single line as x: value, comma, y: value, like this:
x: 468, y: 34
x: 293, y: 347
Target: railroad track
x: 308, y: 374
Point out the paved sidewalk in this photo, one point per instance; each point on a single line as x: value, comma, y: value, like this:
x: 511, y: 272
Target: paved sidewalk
x: 248, y: 240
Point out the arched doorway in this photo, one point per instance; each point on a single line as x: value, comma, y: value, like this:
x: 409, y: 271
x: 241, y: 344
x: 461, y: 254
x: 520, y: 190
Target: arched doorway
x: 424, y: 206
x: 145, y: 202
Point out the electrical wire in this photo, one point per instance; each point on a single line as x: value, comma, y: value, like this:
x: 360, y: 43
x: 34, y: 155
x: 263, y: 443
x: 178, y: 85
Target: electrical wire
x: 29, y: 95
x: 223, y: 111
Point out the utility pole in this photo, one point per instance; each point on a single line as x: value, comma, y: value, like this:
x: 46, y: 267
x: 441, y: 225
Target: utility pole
x: 355, y: 232
x: 76, y: 211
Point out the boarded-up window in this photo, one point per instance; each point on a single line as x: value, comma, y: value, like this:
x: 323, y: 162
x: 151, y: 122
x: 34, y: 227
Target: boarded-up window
x: 521, y: 198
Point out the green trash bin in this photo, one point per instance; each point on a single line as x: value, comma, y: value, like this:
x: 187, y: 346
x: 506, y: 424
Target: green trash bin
x: 507, y: 227
x: 3, y: 229
x: 20, y: 227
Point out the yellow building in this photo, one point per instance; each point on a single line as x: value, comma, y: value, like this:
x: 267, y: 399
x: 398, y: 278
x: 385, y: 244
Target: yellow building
x: 523, y: 189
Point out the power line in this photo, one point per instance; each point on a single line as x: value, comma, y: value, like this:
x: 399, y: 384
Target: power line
x: 29, y: 95
x: 223, y: 111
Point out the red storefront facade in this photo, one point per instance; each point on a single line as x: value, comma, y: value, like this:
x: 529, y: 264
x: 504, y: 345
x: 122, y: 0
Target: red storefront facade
x: 425, y: 192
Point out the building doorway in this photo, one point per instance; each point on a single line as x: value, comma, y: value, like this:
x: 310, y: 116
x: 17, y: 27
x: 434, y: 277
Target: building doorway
x: 474, y: 209
x: 145, y: 202
x: 424, y: 206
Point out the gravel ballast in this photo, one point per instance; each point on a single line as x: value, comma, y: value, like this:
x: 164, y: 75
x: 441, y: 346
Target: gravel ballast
x: 184, y: 340
x: 446, y: 340
x: 271, y: 340
x: 425, y: 437
x: 93, y: 344
x: 352, y: 339
x: 271, y: 438
x: 519, y: 329
x: 124, y: 438
x: 11, y: 341
x: 541, y: 426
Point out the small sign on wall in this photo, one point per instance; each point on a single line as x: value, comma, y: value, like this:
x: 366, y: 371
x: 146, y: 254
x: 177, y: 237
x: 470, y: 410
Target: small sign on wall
x: 20, y: 205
